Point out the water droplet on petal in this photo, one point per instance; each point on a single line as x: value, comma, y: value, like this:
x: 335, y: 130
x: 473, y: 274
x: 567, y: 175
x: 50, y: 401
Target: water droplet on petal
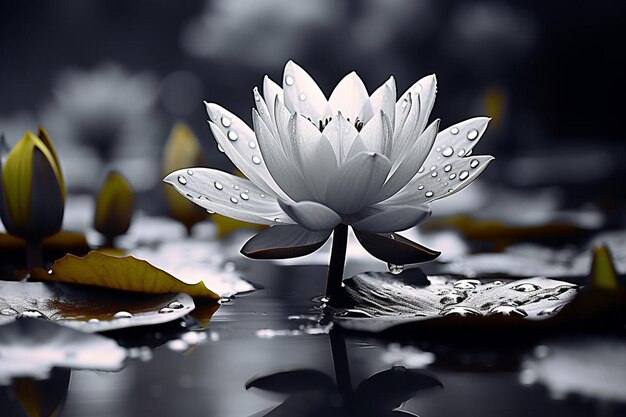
x: 507, y: 311
x: 466, y: 284
x: 93, y: 321
x: 302, y: 97
x: 219, y: 148
x: 472, y: 134
x: 474, y: 163
x: 176, y: 305
x: 429, y: 194
x: 433, y: 174
x: 8, y: 312
x: 256, y: 160
x: 421, y: 187
x: 419, y: 171
x: 463, y: 175
x: 232, y: 135
x: 448, y: 151
x: 182, y: 180
x: 244, y: 196
x: 252, y: 144
x: 33, y: 314
x: 289, y: 80
x: 165, y: 310
x: 461, y: 311
x: 234, y: 200
x: 447, y: 168
x: 226, y: 121
x: 122, y: 315
x: 262, y: 195
x: 452, y: 176
x: 218, y: 185
x: 526, y: 287
x: 454, y: 130
x: 395, y: 269
x: 461, y: 152
x: 189, y: 172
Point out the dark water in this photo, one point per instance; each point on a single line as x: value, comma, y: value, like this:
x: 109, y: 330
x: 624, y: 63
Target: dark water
x: 274, y: 330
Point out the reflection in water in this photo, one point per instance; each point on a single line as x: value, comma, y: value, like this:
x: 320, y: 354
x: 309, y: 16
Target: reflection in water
x: 29, y: 397
x: 313, y: 393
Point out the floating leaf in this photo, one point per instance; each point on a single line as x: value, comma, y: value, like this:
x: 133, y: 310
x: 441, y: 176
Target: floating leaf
x: 89, y: 309
x: 120, y: 273
x: 32, y: 347
x: 378, y: 301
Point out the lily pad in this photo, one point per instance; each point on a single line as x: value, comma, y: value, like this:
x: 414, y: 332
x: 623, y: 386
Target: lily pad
x: 32, y: 348
x: 379, y: 301
x: 120, y: 273
x: 89, y: 309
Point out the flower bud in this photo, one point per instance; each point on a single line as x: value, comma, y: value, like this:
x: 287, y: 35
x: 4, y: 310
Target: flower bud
x: 182, y: 150
x: 114, y: 206
x: 32, y: 190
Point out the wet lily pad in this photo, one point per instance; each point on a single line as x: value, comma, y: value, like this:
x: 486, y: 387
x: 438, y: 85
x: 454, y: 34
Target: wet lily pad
x: 120, y: 273
x: 379, y: 301
x: 89, y: 309
x: 32, y: 348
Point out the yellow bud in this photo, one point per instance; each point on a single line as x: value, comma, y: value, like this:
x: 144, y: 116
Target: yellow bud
x: 182, y: 150
x: 114, y: 206
x: 603, y: 274
x: 32, y: 190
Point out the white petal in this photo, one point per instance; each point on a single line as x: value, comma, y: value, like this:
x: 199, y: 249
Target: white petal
x: 302, y: 95
x: 281, y: 117
x: 312, y: 215
x: 384, y: 98
x: 281, y: 168
x: 377, y: 134
x: 348, y: 97
x: 264, y: 112
x: 228, y: 195
x: 393, y: 219
x: 356, y: 182
x: 241, y: 148
x: 313, y: 155
x: 411, y: 163
x: 423, y: 95
x: 341, y: 134
x: 449, y: 180
x: 284, y: 242
x: 356, y: 148
x: 271, y: 90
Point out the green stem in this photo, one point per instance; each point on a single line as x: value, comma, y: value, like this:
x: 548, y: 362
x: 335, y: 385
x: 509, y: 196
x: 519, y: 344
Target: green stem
x: 34, y: 255
x: 337, y: 261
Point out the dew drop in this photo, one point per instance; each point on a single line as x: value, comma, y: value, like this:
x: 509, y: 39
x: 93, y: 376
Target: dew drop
x: 252, y: 144
x: 507, y: 311
x: 33, y: 314
x: 395, y: 269
x: 235, y: 186
x: 8, y: 312
x: 421, y: 187
x: 210, y: 211
x: 454, y: 130
x: 419, y: 171
x: 219, y: 148
x: 447, y: 168
x: 166, y: 310
x: 450, y: 190
x: 93, y: 321
x: 244, y: 196
x: 433, y: 174
x: 461, y: 311
x: 289, y: 80
x: 466, y: 284
x: 226, y: 121
x: 429, y: 194
x: 262, y: 195
x: 182, y: 180
x: 452, y: 176
x: 463, y: 175
x: 550, y: 311
x: 302, y: 97
x: 461, y: 152
x: 189, y: 172
x: 122, y: 315
x: 218, y: 185
x: 232, y: 135
x: 526, y: 287
x: 256, y: 160
x: 472, y: 134
x: 176, y: 305
x: 448, y: 151
x: 434, y: 167
x: 474, y: 163
x: 234, y: 200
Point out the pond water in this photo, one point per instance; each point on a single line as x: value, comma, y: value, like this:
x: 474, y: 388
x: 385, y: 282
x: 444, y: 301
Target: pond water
x: 275, y: 329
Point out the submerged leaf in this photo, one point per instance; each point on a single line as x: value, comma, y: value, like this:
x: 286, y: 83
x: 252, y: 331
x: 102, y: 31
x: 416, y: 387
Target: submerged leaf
x: 120, y: 273
x: 89, y: 309
x: 377, y: 301
x: 31, y: 348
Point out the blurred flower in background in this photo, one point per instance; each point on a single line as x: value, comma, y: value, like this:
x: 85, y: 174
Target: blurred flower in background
x: 106, y: 117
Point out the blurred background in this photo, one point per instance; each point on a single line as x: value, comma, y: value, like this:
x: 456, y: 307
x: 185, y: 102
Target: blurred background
x: 108, y: 79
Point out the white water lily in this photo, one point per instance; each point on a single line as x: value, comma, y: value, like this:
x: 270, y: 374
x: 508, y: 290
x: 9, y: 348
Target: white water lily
x: 315, y: 164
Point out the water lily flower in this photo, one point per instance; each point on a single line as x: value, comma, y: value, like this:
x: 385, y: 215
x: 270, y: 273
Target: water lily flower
x: 32, y: 192
x: 182, y: 150
x: 317, y: 165
x: 114, y: 207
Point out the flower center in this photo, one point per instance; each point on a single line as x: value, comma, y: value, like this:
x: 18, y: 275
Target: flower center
x: 321, y: 124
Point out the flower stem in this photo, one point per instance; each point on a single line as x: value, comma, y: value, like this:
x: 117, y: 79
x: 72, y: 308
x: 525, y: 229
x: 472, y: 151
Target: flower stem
x: 337, y: 261
x: 34, y: 255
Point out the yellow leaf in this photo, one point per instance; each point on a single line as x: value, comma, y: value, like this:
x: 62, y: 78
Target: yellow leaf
x: 125, y: 273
